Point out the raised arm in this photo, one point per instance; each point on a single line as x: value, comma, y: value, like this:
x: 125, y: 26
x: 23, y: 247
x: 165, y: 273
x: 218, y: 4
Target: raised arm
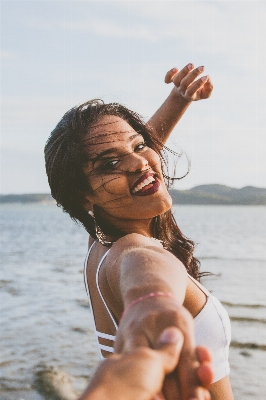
x: 187, y: 88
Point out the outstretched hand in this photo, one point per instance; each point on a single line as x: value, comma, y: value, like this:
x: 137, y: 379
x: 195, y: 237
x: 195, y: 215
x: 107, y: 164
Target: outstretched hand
x: 192, y: 375
x: 187, y: 85
x: 140, y: 374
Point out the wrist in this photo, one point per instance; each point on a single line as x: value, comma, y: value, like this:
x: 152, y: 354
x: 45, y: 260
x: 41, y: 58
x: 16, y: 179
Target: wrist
x: 147, y: 297
x: 141, y: 310
x: 179, y: 98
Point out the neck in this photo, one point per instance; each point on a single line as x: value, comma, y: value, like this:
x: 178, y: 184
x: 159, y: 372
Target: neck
x: 116, y: 227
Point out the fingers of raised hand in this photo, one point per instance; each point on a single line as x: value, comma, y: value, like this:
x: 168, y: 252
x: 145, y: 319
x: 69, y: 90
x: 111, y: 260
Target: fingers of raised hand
x: 170, y: 75
x: 206, y: 89
x: 193, y: 91
x: 174, y: 76
x: 187, y: 74
x: 187, y: 85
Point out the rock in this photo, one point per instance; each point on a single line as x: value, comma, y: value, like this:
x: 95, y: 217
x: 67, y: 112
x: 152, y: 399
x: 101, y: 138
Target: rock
x: 54, y: 384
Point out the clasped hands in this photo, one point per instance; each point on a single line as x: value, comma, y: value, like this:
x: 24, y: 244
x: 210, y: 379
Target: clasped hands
x: 141, y: 374
x: 189, y: 373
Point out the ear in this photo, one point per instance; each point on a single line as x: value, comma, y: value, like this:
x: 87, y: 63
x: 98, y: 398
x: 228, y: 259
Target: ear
x: 88, y: 204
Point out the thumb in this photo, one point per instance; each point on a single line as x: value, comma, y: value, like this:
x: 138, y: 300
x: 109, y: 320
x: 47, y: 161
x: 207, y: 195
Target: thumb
x: 169, y: 347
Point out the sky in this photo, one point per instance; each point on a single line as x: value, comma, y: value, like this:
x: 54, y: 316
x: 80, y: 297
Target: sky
x: 56, y: 54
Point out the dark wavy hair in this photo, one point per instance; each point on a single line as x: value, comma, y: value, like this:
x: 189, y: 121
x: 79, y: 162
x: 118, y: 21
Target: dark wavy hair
x: 65, y: 159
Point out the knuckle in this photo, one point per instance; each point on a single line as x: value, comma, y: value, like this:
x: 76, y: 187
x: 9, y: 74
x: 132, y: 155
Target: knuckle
x: 183, y: 85
x: 189, y: 92
x: 176, y: 81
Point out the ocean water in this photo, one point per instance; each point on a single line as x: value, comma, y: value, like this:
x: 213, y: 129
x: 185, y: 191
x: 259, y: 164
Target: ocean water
x: 46, y: 327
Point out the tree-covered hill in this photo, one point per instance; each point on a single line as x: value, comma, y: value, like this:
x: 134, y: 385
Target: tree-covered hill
x: 220, y: 194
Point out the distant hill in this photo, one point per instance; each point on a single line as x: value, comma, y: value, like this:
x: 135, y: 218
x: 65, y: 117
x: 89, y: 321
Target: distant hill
x: 203, y: 194
x: 27, y: 198
x: 220, y: 194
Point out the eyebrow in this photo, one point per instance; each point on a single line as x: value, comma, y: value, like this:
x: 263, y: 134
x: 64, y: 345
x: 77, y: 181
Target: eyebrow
x: 112, y: 149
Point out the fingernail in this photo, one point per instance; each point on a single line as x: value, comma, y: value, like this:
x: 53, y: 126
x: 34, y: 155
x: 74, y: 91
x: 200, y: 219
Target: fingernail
x: 204, y: 78
x: 169, y: 336
x: 201, y: 69
x: 190, y: 66
x: 174, y: 69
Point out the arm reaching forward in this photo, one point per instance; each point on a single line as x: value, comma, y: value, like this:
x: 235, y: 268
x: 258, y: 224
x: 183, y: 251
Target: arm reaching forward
x: 139, y: 272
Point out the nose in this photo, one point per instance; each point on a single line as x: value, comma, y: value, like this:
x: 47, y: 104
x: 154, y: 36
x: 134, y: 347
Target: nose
x: 136, y: 162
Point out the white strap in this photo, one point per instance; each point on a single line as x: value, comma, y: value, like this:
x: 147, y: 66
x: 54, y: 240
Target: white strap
x: 87, y: 289
x: 106, y: 348
x: 100, y: 293
x: 105, y: 336
x: 85, y: 274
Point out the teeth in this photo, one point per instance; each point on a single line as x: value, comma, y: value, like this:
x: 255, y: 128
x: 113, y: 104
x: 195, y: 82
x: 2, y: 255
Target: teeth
x: 146, y: 182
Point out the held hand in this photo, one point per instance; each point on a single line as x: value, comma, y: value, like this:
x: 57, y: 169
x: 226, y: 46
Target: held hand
x: 138, y: 374
x: 204, y: 375
x: 138, y: 329
x: 186, y: 85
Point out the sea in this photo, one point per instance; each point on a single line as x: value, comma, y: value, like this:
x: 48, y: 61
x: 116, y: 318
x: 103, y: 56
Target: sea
x: 48, y: 348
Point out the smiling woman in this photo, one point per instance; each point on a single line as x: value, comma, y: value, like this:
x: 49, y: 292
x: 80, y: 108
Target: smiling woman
x: 106, y: 168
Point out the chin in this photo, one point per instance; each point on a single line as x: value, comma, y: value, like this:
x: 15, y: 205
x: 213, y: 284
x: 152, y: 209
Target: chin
x: 166, y: 207
x: 156, y: 208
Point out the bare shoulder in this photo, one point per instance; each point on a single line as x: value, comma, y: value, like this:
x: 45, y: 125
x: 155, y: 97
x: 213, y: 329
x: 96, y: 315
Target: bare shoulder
x: 135, y: 241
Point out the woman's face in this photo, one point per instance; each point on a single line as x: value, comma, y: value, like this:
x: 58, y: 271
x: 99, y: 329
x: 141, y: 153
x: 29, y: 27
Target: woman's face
x: 124, y: 175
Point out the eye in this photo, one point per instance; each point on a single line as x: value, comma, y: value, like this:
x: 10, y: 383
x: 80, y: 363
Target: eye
x: 140, y: 146
x: 109, y: 165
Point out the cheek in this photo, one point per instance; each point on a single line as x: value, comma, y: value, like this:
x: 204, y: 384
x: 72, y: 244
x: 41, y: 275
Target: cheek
x: 110, y: 186
x: 153, y: 158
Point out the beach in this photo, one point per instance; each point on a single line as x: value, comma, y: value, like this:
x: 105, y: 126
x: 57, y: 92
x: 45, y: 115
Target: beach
x: 46, y: 326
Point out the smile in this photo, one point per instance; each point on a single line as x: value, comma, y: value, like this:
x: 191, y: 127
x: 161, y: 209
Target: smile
x: 146, y: 185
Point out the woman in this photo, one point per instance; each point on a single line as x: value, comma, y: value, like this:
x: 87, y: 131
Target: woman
x: 105, y: 168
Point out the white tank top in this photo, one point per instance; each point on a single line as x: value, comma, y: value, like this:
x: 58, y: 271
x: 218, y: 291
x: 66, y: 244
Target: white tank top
x: 212, y: 325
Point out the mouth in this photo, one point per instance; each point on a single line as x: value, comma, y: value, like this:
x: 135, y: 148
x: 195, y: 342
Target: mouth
x: 146, y: 185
